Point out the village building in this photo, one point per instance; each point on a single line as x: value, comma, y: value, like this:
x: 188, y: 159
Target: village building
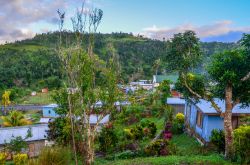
x: 177, y: 104
x: 35, y: 143
x: 201, y: 118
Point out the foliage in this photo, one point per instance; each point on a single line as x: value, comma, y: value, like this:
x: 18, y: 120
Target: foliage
x: 164, y: 90
x: 135, y: 133
x: 160, y: 147
x: 184, y: 48
x: 18, y: 144
x: 131, y: 114
x: 15, y: 118
x: 53, y: 155
x: 108, y: 138
x: 242, y: 144
x: 230, y: 67
x: 6, y: 98
x: 20, y: 60
x: 3, y: 157
x: 59, y: 130
x: 178, y: 124
x: 20, y: 159
x: 218, y: 139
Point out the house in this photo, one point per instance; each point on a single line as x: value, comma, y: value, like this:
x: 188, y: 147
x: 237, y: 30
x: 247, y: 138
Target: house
x: 177, y: 104
x: 157, y: 79
x: 144, y: 84
x: 35, y: 143
x: 201, y: 118
x: 49, y: 111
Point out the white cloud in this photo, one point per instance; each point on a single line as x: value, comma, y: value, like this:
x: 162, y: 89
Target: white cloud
x: 215, y: 29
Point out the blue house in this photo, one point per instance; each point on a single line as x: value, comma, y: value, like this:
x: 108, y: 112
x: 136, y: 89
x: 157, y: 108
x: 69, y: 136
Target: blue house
x: 49, y: 111
x: 201, y: 118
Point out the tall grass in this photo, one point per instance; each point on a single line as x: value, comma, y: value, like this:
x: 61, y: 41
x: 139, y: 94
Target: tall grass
x: 53, y: 156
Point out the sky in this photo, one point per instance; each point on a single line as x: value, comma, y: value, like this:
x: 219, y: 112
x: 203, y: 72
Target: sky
x: 212, y: 20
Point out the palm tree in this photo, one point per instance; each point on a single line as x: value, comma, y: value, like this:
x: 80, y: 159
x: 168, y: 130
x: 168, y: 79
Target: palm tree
x: 15, y: 118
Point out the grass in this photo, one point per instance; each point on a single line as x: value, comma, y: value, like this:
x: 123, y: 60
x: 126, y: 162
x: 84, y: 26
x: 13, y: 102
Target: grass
x: 176, y: 160
x: 187, y: 145
x: 39, y: 99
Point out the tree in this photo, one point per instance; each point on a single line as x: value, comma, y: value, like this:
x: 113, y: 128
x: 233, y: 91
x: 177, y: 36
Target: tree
x: 88, y: 77
x: 15, y: 118
x: 6, y: 100
x: 227, y: 71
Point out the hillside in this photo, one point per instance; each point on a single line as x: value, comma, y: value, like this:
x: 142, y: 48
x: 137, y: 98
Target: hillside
x: 33, y: 62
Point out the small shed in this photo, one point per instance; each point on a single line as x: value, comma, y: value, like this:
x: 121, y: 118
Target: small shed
x: 177, y: 104
x: 49, y: 111
x: 35, y: 143
x: 201, y: 118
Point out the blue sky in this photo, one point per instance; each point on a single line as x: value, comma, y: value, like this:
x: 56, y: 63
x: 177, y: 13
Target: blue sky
x: 213, y: 20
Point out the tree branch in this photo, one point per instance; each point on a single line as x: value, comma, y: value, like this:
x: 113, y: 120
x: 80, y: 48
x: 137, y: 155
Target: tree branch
x: 207, y: 98
x: 246, y: 77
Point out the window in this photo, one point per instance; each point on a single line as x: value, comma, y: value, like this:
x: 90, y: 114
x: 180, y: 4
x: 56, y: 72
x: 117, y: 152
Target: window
x: 49, y: 112
x: 199, y: 119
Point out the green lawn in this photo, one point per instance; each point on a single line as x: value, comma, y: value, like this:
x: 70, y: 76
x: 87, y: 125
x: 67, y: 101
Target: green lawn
x: 176, y: 160
x: 187, y: 145
x: 39, y: 99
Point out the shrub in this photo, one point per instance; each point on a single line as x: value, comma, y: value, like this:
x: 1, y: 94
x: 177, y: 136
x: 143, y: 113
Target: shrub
x: 152, y: 129
x: 242, y: 144
x: 136, y: 133
x: 3, y: 157
x: 178, y: 124
x: 20, y: 159
x: 217, y: 138
x: 108, y: 138
x: 160, y: 147
x: 55, y: 156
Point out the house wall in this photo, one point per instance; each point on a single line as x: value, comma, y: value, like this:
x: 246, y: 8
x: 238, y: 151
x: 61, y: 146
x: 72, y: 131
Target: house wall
x: 35, y: 148
x: 49, y: 112
x: 178, y: 108
x: 208, y: 122
x: 214, y: 122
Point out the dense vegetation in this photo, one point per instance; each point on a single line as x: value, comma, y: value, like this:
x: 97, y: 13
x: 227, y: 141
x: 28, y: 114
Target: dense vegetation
x: 33, y: 63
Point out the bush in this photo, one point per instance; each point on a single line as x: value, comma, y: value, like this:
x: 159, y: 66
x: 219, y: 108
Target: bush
x: 160, y: 147
x: 217, y: 138
x: 55, y: 156
x: 152, y: 129
x: 108, y: 138
x: 20, y: 159
x: 178, y: 124
x: 242, y: 144
x: 3, y: 157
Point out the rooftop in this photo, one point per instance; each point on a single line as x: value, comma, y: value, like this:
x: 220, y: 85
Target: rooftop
x: 38, y: 132
x: 173, y: 100
x: 206, y: 107
x: 172, y: 77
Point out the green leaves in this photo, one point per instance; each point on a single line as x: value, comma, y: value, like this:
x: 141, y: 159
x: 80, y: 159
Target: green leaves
x: 183, y: 51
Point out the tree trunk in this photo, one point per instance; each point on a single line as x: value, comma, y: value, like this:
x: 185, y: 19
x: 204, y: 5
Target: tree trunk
x: 89, y: 157
x: 72, y: 127
x: 228, y: 122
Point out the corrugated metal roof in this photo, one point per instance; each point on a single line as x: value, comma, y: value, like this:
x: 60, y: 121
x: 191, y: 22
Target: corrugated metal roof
x: 51, y: 106
x: 93, y: 119
x: 206, y: 107
x: 174, y: 100
x: 38, y: 132
x: 44, y: 120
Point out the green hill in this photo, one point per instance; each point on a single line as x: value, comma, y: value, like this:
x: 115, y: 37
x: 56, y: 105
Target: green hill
x: 33, y: 63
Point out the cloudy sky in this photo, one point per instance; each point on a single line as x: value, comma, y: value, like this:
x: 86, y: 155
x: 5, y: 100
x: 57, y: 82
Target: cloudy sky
x: 212, y: 20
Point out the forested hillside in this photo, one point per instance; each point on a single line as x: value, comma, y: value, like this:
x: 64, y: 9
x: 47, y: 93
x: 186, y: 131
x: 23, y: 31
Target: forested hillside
x: 34, y: 63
